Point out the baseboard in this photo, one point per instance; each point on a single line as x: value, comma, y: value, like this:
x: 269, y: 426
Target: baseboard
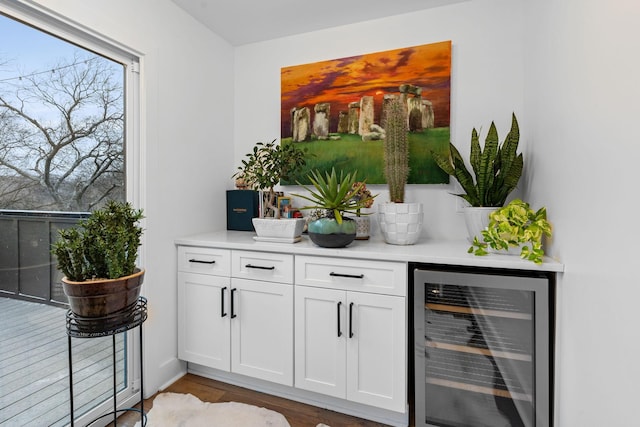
x: 165, y: 375
x: 384, y: 416
x: 172, y: 380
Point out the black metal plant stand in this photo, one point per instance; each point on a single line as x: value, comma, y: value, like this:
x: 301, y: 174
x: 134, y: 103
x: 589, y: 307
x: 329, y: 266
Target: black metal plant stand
x: 92, y: 327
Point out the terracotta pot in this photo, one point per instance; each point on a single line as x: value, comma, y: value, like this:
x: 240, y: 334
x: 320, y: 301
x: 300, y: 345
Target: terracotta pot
x: 99, y: 298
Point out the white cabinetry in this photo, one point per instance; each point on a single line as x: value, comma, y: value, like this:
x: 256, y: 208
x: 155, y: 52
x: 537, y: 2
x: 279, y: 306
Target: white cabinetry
x: 236, y: 313
x: 350, y: 337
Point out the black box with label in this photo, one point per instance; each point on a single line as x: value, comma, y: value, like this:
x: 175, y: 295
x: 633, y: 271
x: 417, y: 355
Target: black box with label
x: 242, y: 206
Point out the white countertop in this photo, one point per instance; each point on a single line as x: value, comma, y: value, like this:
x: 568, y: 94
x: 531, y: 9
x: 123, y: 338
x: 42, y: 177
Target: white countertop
x: 453, y: 252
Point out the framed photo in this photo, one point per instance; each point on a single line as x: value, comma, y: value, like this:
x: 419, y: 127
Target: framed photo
x: 285, y: 207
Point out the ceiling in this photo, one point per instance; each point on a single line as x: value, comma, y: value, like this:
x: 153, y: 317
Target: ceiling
x: 248, y: 21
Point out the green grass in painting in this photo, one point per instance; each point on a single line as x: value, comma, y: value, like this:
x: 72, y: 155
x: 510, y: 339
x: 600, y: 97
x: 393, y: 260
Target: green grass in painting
x: 351, y: 153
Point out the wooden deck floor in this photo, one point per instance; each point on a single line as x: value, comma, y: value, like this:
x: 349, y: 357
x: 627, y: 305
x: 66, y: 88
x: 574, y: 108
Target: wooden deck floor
x: 34, y: 367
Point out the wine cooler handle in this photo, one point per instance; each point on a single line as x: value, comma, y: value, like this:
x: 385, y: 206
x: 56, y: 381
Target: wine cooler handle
x: 222, y: 291
x: 200, y: 261
x: 233, y: 311
x: 260, y: 267
x: 350, y: 276
x: 350, y: 320
x: 338, y: 311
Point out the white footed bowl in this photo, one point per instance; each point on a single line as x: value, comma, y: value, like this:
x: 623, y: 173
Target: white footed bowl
x: 285, y: 228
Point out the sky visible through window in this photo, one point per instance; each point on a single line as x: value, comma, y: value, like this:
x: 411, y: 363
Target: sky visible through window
x: 25, y: 50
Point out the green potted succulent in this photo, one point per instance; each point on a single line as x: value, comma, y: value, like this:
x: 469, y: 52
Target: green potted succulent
x: 396, y: 171
x: 496, y: 171
x: 265, y: 166
x: 332, y: 196
x: 515, y: 227
x: 98, y: 260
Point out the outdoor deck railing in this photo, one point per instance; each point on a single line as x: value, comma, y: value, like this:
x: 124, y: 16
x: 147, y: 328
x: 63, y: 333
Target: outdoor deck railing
x: 27, y: 267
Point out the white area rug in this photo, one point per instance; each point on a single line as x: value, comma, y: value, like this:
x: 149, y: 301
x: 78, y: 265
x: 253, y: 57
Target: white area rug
x: 186, y: 410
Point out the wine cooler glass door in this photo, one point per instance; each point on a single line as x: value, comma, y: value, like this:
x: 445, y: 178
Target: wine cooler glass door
x: 481, y: 350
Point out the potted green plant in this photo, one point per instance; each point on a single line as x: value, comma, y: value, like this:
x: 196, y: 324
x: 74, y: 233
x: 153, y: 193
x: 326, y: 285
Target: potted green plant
x: 515, y: 227
x: 496, y: 172
x: 400, y: 222
x: 332, y: 196
x: 265, y: 166
x: 98, y: 260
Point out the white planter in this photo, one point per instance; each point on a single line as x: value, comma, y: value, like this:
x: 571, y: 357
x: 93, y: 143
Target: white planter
x: 513, y: 250
x: 400, y: 223
x: 285, y: 228
x: 476, y: 219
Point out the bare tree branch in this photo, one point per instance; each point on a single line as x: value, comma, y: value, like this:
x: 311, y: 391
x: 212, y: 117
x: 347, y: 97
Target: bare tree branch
x: 64, y: 132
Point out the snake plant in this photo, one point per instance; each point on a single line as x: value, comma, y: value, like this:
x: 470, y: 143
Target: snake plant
x: 496, y: 169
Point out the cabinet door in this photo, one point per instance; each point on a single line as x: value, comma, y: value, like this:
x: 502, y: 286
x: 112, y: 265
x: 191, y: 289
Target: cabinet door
x: 262, y: 330
x: 320, y: 340
x: 203, y: 322
x: 376, y: 350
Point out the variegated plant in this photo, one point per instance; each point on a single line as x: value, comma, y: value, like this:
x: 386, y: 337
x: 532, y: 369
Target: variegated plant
x: 496, y: 169
x: 512, y: 226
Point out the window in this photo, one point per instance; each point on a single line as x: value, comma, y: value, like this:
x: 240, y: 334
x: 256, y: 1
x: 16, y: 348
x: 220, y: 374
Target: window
x: 62, y: 123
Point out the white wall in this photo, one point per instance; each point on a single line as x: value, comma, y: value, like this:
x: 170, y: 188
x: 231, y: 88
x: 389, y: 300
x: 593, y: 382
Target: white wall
x: 187, y: 101
x: 569, y: 70
x: 487, y: 81
x: 582, y: 93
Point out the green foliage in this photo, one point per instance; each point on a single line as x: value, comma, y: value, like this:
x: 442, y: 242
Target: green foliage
x: 336, y: 194
x: 268, y: 163
x: 396, y: 149
x: 515, y: 225
x: 104, y: 246
x: 496, y: 170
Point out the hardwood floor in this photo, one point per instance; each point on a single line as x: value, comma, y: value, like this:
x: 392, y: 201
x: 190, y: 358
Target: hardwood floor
x: 297, y: 414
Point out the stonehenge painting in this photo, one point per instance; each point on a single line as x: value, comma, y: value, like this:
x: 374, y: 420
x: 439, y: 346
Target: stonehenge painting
x: 336, y: 109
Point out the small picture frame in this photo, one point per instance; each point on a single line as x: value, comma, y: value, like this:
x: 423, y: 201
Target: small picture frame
x: 284, y: 207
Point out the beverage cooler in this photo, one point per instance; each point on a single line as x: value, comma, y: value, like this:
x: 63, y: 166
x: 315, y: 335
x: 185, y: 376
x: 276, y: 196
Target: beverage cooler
x: 482, y: 347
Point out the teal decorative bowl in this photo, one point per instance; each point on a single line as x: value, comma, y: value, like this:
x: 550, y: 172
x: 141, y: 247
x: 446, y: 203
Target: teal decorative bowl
x: 327, y: 233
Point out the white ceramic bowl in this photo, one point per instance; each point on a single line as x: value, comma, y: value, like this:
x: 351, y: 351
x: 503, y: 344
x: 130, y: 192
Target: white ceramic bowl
x: 285, y: 228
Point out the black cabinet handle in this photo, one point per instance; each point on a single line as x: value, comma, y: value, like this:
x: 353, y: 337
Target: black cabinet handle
x: 233, y: 312
x: 222, y: 313
x: 260, y: 267
x: 199, y: 261
x: 351, y: 276
x: 350, y: 320
x: 338, y: 310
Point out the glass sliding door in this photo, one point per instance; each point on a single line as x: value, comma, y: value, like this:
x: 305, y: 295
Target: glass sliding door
x: 68, y: 144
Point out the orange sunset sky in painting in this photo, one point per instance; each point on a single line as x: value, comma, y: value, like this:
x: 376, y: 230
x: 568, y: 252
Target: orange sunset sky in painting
x: 342, y: 81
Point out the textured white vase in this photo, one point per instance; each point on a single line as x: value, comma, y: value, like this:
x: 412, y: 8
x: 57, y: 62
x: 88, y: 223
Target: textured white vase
x: 400, y: 223
x: 476, y: 220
